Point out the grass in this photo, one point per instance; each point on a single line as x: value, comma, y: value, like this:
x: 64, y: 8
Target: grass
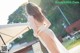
x: 71, y: 44
x: 74, y: 44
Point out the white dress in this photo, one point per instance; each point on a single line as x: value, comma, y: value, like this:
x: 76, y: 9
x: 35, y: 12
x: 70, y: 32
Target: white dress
x: 42, y: 28
x: 61, y: 48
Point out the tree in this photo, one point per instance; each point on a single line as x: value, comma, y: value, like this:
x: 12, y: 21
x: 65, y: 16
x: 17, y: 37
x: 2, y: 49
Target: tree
x: 17, y: 16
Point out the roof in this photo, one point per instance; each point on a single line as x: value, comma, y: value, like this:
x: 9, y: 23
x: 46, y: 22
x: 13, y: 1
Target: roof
x: 10, y: 32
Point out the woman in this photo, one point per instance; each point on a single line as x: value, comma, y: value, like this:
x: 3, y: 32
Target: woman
x: 40, y: 25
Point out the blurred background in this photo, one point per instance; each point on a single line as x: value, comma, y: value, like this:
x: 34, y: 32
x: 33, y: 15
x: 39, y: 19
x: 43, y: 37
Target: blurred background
x: 64, y: 18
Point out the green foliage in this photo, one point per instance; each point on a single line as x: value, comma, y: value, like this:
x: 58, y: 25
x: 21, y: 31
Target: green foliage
x: 17, y: 40
x: 18, y: 16
x: 71, y: 11
x: 28, y: 36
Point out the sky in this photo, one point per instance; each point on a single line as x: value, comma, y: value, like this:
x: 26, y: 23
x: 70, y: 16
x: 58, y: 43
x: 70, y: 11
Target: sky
x: 7, y: 7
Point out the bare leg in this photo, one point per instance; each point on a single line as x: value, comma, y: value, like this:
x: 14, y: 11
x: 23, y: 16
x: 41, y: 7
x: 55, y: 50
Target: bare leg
x: 48, y: 42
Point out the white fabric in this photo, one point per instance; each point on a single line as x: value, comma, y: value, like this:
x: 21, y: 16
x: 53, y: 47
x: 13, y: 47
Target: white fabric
x: 10, y: 32
x: 61, y: 48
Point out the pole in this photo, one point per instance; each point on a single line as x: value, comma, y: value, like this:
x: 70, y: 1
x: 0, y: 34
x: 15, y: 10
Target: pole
x: 64, y: 16
x: 2, y: 40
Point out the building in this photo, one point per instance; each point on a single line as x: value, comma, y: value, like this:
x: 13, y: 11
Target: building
x: 73, y: 27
